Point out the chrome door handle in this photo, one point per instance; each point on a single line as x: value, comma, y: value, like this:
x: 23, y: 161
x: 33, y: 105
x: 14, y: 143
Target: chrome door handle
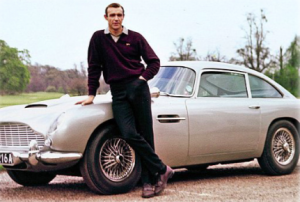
x: 254, y: 107
x: 169, y: 118
x: 177, y: 118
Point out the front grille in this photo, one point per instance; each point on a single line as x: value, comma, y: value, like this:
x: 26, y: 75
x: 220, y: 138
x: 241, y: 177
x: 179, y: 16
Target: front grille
x: 18, y: 135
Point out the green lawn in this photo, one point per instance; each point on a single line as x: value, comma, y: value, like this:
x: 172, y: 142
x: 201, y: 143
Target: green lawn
x: 26, y: 98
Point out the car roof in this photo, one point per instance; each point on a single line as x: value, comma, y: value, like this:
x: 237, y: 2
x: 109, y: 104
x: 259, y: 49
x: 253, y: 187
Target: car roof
x: 201, y: 65
x: 198, y: 66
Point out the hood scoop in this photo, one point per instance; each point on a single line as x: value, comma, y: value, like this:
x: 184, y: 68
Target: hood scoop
x: 36, y: 106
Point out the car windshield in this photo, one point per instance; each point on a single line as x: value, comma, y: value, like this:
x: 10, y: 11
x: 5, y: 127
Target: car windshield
x: 174, y: 81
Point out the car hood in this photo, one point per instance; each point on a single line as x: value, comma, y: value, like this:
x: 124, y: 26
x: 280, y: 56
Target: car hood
x: 41, y: 115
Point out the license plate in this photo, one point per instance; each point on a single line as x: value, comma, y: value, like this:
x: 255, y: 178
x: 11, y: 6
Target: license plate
x: 6, y: 159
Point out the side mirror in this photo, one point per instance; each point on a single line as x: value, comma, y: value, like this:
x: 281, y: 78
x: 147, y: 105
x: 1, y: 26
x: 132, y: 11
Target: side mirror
x: 155, y: 92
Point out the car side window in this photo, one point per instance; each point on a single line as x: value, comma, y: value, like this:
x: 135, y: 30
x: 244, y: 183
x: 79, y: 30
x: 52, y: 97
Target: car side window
x: 222, y: 84
x: 262, y: 89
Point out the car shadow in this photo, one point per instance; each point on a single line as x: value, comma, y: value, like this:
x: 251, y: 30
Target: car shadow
x: 66, y: 186
x: 219, y: 172
x: 214, y: 173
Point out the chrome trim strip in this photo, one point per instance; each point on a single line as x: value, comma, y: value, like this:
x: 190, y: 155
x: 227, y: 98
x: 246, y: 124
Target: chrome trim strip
x: 45, y: 157
x: 57, y: 157
x: 247, y: 84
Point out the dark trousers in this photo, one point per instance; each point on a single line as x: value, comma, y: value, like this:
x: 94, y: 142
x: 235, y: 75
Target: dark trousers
x: 132, y: 111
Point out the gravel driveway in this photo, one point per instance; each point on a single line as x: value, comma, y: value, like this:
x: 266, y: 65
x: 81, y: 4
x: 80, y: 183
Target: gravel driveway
x: 233, y: 182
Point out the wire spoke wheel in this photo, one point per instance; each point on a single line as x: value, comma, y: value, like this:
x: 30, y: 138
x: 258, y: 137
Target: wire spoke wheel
x: 283, y: 146
x: 117, y: 159
x: 110, y: 165
x: 281, y: 151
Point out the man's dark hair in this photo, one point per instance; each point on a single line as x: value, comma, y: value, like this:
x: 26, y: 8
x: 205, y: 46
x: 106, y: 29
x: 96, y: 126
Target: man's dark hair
x: 114, y: 5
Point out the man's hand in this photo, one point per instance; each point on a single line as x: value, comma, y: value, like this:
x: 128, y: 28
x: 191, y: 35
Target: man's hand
x: 142, y: 78
x: 87, y: 101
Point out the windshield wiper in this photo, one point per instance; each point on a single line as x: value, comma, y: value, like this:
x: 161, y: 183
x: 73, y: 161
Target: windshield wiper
x: 164, y: 93
x: 172, y: 95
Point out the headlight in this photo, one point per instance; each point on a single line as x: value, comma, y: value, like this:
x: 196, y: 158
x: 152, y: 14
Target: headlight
x: 48, y: 142
x: 56, y: 123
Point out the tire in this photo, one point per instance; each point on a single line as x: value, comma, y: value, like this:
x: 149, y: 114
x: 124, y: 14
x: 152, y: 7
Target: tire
x: 281, y: 151
x: 105, y: 167
x: 26, y: 178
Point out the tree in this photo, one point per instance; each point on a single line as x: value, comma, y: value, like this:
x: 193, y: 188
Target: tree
x: 52, y: 79
x: 215, y: 57
x: 184, y: 51
x: 256, y: 55
x: 14, y: 74
x: 78, y: 84
x: 37, y: 79
x: 293, y: 53
x: 287, y: 74
x: 43, y: 76
x: 288, y: 77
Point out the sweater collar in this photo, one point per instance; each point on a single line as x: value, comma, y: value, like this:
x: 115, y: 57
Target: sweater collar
x: 125, y: 31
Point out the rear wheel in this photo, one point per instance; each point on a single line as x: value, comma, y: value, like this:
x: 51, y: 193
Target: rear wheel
x: 281, y: 151
x: 26, y: 178
x: 110, y: 165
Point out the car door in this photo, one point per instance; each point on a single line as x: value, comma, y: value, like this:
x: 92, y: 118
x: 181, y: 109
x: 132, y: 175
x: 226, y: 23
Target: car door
x: 223, y: 120
x: 170, y: 126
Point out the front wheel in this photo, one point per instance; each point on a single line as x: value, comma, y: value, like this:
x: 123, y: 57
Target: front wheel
x: 26, y: 178
x: 110, y: 165
x: 281, y: 151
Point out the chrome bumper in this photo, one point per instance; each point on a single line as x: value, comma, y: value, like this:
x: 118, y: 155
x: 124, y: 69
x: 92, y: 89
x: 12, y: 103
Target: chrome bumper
x: 33, y: 156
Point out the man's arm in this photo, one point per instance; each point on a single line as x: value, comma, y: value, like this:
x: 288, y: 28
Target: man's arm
x: 94, y: 70
x: 94, y: 63
x: 150, y: 58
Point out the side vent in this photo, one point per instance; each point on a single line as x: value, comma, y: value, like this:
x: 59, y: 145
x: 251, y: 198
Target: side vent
x: 36, y: 106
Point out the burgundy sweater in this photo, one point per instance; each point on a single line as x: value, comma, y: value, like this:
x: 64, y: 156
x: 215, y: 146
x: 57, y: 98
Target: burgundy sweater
x: 121, y: 61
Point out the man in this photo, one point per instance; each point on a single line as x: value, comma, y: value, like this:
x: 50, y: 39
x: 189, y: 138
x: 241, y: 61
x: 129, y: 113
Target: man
x: 117, y: 53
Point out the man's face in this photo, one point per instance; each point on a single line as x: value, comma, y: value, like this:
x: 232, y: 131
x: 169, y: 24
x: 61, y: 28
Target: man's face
x: 114, y: 18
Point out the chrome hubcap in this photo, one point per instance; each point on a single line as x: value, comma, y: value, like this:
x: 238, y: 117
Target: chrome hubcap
x: 283, y: 146
x: 117, y: 159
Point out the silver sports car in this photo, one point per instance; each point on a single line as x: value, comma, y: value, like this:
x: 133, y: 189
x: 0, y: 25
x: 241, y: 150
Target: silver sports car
x: 204, y: 113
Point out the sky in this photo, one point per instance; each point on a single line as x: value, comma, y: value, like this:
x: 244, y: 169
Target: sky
x: 57, y: 32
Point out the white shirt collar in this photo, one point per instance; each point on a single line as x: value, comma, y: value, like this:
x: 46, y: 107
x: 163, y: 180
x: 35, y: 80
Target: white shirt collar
x: 125, y: 30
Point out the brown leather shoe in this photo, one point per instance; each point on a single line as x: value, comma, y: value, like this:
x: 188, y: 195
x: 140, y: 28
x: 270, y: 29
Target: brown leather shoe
x: 148, y: 191
x: 162, y: 181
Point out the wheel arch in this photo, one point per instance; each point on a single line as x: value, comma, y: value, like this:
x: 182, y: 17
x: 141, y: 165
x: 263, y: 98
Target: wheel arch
x: 99, y: 128
x: 294, y: 121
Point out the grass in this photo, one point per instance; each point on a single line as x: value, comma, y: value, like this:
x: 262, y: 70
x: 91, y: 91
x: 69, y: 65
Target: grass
x: 26, y: 98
